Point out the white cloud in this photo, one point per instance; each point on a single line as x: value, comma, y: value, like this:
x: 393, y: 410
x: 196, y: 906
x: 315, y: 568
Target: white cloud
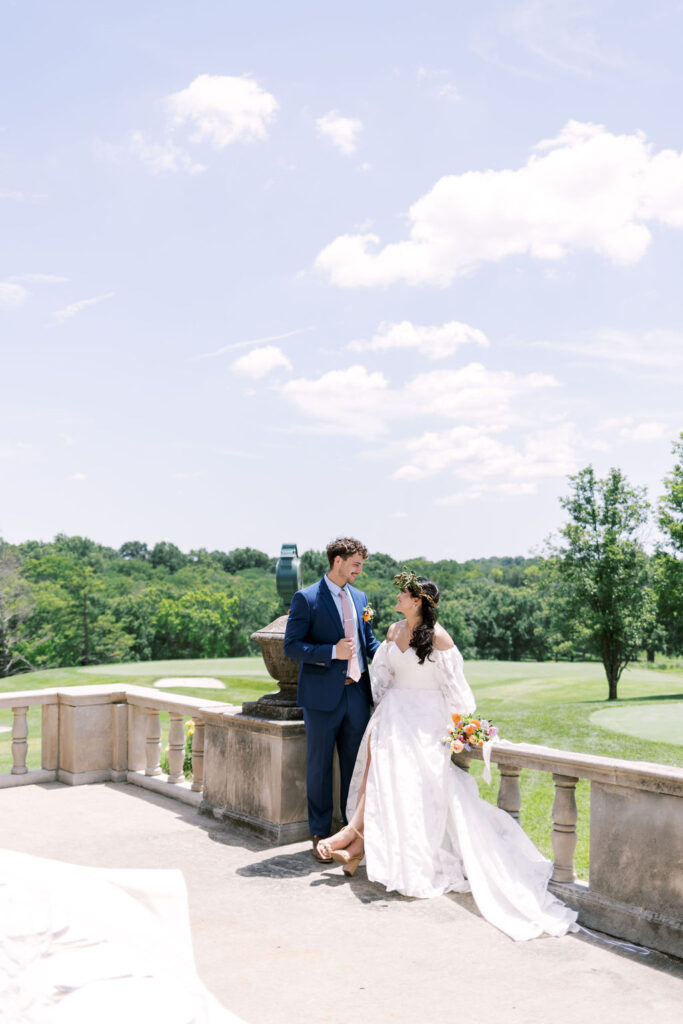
x: 12, y: 294
x: 341, y: 131
x: 560, y: 34
x: 253, y: 341
x: 163, y: 157
x: 654, y: 349
x: 585, y: 190
x: 471, y: 392
x: 439, y: 80
x: 223, y: 109
x: 644, y: 432
x: 11, y: 450
x: 355, y: 401
x: 39, y: 278
x: 504, y: 490
x: 552, y: 31
x: 476, y: 455
x: 434, y: 342
x: 351, y: 401
x: 261, y: 361
x: 77, y: 307
x: 448, y: 91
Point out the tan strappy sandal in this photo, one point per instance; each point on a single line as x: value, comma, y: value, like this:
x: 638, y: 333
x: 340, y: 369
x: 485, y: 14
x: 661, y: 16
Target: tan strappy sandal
x: 349, y: 864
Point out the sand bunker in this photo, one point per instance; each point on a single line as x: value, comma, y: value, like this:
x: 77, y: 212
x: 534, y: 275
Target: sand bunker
x: 190, y: 683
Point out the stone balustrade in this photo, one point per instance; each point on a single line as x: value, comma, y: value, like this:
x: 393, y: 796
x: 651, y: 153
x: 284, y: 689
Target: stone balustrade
x: 254, y: 775
x: 109, y: 733
x: 635, y: 887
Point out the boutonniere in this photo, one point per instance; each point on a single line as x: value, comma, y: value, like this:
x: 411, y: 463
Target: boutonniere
x: 368, y: 613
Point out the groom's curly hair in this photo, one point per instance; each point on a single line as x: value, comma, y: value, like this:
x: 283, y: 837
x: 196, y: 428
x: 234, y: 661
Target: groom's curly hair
x: 345, y: 547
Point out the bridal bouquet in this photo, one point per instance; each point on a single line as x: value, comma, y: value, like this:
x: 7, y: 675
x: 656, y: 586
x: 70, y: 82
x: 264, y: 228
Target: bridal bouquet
x: 468, y: 731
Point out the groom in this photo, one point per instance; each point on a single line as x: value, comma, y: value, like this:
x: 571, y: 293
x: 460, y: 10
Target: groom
x: 329, y: 633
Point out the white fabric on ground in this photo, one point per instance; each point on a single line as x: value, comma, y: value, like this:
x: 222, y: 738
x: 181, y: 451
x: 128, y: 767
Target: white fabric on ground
x: 79, y: 945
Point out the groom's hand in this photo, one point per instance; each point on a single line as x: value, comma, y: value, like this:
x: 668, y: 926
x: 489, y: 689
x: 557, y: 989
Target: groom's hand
x: 344, y: 649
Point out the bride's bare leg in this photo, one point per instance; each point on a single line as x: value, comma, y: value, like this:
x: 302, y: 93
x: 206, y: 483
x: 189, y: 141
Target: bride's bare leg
x: 347, y: 838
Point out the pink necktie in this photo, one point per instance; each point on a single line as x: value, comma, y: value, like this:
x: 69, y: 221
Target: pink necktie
x: 353, y: 670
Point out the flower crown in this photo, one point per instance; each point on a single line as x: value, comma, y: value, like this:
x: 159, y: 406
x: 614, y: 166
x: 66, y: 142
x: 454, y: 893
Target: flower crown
x: 407, y: 580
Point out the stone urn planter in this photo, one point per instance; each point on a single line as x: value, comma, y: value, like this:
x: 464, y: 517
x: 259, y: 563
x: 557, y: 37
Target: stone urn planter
x: 281, y: 704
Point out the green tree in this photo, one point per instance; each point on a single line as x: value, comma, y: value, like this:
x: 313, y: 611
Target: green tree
x: 669, y: 556
x: 561, y: 634
x: 167, y: 555
x: 314, y: 564
x: 452, y: 618
x: 199, y: 624
x: 504, y: 626
x: 671, y: 503
x: 604, y: 568
x: 16, y: 606
x: 246, y: 558
x: 72, y: 623
x: 134, y: 549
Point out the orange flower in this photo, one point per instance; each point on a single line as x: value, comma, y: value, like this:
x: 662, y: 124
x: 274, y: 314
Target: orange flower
x: 456, y: 718
x: 480, y: 743
x: 476, y: 723
x: 469, y: 729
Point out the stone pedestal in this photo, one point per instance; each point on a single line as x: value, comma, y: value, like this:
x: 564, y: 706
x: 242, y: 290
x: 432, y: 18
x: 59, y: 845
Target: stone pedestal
x: 88, y: 725
x: 255, y: 774
x: 636, y: 864
x: 282, y: 705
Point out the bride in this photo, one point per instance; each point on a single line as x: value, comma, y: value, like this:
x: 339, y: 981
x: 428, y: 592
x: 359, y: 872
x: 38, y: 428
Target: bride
x: 418, y: 819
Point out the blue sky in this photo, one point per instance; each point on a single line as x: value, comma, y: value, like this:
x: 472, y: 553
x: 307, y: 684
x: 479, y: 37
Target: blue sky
x: 277, y: 272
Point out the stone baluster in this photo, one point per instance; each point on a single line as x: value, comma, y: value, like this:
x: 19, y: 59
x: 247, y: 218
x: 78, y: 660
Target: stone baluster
x: 19, y: 741
x: 509, y: 796
x: 564, y: 828
x: 176, y: 748
x: 49, y: 737
x: 153, y: 742
x: 198, y: 755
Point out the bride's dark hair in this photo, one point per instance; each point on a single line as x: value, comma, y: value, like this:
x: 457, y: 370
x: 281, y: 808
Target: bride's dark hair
x: 423, y: 635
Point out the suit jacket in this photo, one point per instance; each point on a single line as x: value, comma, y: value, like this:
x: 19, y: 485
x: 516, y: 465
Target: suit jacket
x: 314, y: 626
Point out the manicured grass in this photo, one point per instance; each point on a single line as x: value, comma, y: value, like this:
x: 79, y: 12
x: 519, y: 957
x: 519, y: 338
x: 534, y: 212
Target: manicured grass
x: 553, y: 704
x: 654, y: 720
x: 547, y: 703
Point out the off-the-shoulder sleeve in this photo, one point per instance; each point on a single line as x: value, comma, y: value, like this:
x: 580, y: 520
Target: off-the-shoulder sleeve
x: 381, y: 673
x: 455, y: 686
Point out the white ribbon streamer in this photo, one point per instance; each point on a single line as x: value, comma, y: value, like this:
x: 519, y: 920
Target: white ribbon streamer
x: 486, y: 753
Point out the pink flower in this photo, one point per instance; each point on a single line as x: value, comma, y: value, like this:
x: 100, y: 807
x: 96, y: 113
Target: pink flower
x: 456, y: 746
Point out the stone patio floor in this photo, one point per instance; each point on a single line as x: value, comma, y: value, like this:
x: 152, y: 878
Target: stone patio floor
x: 279, y: 938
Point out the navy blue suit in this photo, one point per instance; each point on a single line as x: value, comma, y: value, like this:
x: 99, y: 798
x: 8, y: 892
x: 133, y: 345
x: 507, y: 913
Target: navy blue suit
x: 333, y: 711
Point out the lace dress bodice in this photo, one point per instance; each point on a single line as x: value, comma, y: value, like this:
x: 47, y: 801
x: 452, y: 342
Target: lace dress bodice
x: 443, y: 671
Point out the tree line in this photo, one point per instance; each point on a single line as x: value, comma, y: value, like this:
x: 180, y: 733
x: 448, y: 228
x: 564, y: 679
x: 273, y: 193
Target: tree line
x: 595, y: 593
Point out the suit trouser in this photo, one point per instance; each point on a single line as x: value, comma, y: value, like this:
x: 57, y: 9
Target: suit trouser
x: 343, y: 726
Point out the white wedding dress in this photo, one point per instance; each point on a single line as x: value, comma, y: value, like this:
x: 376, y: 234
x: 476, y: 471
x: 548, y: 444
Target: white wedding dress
x: 427, y: 830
